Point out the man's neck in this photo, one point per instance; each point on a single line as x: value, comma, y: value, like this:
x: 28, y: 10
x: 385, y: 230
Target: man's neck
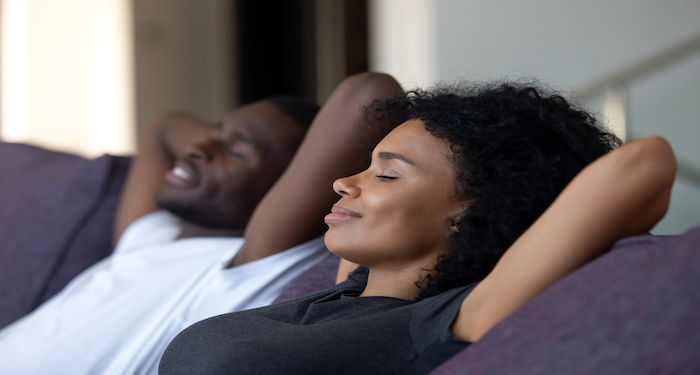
x: 190, y: 230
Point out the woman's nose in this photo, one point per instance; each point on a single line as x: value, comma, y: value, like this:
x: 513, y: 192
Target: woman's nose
x: 347, y: 187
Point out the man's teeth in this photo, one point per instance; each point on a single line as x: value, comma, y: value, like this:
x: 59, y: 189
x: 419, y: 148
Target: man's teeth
x: 179, y: 172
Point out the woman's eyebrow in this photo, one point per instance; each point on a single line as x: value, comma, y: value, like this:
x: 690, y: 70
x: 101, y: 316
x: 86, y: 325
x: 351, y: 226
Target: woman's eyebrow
x: 386, y: 155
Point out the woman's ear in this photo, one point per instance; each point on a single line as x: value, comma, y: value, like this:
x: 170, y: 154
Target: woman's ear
x: 454, y: 227
x: 460, y: 210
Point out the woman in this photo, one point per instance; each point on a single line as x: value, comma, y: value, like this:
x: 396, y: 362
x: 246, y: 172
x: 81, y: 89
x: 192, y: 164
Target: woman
x: 468, y: 174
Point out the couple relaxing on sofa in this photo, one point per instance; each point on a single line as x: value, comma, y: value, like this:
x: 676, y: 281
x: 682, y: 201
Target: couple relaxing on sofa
x: 465, y: 184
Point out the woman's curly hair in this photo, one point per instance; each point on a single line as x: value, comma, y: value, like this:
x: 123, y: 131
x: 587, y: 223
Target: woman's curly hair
x: 515, y: 147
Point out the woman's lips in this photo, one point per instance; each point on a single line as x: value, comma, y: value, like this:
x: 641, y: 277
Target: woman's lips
x: 340, y: 213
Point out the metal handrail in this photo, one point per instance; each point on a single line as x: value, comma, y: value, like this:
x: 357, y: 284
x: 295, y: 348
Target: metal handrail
x: 646, y: 66
x: 643, y: 68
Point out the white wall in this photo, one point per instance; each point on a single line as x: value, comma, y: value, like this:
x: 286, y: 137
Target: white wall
x: 571, y: 45
x: 79, y: 75
x: 403, y: 40
x: 565, y: 43
x: 67, y: 75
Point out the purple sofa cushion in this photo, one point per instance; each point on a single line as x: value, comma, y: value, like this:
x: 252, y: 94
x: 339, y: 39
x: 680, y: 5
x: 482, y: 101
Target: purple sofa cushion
x: 56, y: 219
x: 317, y: 278
x: 635, y: 310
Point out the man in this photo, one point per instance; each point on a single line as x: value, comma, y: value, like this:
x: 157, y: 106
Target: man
x: 172, y: 267
x: 214, y: 178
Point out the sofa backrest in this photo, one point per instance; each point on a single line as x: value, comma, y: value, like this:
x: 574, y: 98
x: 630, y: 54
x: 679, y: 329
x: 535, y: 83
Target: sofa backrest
x: 317, y: 278
x: 56, y: 219
x: 634, y: 310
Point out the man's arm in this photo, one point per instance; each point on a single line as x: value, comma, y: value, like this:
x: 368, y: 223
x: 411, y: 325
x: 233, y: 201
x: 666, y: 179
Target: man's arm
x: 338, y: 144
x: 164, y: 141
x: 623, y: 193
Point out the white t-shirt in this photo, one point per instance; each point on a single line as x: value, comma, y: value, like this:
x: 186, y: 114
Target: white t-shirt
x: 118, y: 316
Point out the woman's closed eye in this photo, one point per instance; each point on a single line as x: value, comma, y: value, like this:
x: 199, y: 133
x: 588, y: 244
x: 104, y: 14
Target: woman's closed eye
x: 386, y: 178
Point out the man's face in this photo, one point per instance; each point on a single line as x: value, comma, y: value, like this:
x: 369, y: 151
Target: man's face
x: 221, y: 180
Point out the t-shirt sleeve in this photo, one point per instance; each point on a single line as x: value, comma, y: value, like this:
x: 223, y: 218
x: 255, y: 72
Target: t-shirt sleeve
x: 150, y: 229
x: 430, y: 326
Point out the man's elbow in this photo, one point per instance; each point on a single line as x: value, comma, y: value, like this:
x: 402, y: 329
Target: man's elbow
x: 370, y: 85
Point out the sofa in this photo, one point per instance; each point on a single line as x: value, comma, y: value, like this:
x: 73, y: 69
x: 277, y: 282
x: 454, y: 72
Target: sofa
x: 634, y: 310
x: 56, y: 219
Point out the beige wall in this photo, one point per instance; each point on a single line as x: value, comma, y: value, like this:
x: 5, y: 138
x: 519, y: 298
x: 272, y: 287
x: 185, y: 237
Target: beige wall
x: 184, y: 57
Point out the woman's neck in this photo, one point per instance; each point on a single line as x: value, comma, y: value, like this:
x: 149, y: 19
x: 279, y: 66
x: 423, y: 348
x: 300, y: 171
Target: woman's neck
x: 399, y: 283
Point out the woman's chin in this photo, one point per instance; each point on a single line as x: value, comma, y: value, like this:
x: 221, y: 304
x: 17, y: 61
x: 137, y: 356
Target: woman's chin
x: 330, y: 241
x: 335, y: 243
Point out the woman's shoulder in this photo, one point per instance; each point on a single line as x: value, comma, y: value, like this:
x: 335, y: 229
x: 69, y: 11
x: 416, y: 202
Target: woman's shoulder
x: 444, y: 300
x: 433, y: 316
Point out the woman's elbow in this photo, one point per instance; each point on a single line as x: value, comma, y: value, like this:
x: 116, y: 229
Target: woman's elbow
x: 659, y: 161
x: 650, y: 165
x: 650, y: 159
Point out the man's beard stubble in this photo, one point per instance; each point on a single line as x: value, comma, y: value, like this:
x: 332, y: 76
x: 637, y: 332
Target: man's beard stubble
x: 211, y: 217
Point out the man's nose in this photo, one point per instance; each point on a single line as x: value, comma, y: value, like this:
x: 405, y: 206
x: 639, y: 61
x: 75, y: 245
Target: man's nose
x: 204, y: 151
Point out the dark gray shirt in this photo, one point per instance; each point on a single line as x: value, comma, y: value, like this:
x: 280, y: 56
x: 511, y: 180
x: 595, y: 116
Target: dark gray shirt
x: 332, y: 332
